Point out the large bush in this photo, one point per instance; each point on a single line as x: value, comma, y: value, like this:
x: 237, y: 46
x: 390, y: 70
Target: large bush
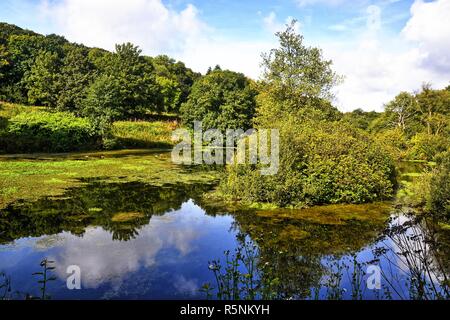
x: 48, y: 132
x: 320, y: 163
x: 321, y: 160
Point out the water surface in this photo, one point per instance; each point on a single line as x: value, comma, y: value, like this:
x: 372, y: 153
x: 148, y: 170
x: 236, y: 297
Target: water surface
x: 135, y: 240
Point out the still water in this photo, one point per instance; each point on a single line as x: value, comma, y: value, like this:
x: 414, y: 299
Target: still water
x: 138, y: 241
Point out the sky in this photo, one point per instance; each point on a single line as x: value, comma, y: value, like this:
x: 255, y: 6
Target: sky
x: 380, y: 47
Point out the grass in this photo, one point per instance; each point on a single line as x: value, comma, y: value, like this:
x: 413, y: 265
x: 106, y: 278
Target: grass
x: 156, y: 132
x: 143, y: 134
x: 50, y: 175
x: 9, y: 110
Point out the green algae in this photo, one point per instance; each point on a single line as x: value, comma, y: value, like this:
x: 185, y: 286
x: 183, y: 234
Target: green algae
x: 30, y: 177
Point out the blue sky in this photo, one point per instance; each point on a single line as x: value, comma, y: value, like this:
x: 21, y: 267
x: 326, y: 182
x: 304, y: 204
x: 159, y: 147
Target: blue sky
x: 381, y: 47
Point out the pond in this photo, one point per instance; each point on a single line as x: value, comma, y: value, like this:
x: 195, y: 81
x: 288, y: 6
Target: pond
x: 145, y: 240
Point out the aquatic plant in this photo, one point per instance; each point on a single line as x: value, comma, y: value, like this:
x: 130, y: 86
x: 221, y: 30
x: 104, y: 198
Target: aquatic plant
x: 47, y: 267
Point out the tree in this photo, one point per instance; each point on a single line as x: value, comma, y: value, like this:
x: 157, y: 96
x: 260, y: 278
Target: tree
x: 221, y: 100
x: 402, y: 109
x: 43, y: 80
x: 4, y: 61
x: 434, y: 108
x: 360, y: 118
x: 175, y: 80
x: 132, y: 83
x: 320, y: 160
x: 103, y: 102
x: 76, y: 74
x: 139, y: 90
x: 296, y: 79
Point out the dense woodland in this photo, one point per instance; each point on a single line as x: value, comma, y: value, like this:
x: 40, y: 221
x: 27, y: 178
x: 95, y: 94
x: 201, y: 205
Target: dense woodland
x: 326, y: 156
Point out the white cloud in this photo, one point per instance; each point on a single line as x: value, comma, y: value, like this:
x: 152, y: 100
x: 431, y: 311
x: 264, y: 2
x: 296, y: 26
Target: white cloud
x: 147, y: 23
x: 430, y: 29
x: 304, y: 3
x: 272, y: 24
x: 155, y: 28
x: 103, y: 261
x: 377, y: 66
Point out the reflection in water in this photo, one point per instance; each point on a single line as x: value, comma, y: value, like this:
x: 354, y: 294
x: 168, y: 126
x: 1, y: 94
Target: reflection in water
x: 407, y: 254
x: 136, y: 241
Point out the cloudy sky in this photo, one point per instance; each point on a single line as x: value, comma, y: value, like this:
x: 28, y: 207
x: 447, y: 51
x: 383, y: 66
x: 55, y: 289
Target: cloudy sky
x: 381, y: 47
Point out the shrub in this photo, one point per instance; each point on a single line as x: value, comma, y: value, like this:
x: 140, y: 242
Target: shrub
x: 439, y: 199
x: 42, y: 131
x: 426, y: 146
x: 393, y: 141
x: 320, y: 163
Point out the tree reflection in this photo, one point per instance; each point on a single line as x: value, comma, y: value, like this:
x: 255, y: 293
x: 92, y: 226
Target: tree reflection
x: 293, y: 260
x: 96, y: 204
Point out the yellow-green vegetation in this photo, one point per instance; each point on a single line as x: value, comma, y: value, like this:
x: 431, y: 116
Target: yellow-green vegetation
x: 127, y: 216
x: 143, y: 134
x: 331, y: 229
x: 50, y: 175
x: 333, y: 214
x: 9, y: 110
x: 44, y: 131
x: 36, y: 129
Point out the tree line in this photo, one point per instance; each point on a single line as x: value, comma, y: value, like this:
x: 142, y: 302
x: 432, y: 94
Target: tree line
x: 50, y: 71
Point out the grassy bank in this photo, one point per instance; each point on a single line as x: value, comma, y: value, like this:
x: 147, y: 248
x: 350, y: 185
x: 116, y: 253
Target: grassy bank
x: 143, y: 134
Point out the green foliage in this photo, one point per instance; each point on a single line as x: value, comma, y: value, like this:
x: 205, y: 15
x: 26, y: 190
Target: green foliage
x: 394, y: 141
x: 42, y: 131
x: 175, y: 80
x: 102, y: 102
x: 415, y: 126
x: 50, y: 71
x: 439, y: 200
x: 402, y: 111
x: 42, y: 81
x: 434, y: 109
x: 221, y: 100
x: 4, y: 61
x: 320, y: 162
x: 360, y: 119
x: 75, y: 76
x: 426, y: 146
x: 296, y: 80
x: 125, y: 89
